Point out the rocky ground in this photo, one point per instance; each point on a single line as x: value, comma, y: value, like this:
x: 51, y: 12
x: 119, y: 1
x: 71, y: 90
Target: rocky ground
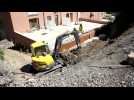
x: 100, y: 66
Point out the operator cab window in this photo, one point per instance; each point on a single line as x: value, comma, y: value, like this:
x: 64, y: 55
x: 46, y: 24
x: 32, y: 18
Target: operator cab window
x: 42, y: 51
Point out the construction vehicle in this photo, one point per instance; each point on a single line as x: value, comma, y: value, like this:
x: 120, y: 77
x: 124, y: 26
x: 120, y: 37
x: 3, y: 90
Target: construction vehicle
x: 44, y: 59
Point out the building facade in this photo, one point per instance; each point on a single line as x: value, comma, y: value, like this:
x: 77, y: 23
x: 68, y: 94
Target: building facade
x: 30, y: 21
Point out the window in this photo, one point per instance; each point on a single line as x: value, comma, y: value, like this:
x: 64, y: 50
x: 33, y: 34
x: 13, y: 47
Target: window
x: 50, y: 22
x: 67, y: 15
x: 49, y: 18
x: 71, y: 17
x: 66, y: 19
x: 91, y: 15
x: 55, y: 12
x: 34, y: 23
x: 40, y: 51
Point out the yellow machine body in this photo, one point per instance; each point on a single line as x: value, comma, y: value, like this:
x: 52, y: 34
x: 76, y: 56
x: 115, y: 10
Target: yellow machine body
x: 41, y: 62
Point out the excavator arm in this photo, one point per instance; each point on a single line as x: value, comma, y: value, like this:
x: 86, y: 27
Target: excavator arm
x: 67, y: 57
x: 59, y: 40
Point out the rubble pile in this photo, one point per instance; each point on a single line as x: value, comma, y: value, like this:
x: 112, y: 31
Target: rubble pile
x: 4, y: 44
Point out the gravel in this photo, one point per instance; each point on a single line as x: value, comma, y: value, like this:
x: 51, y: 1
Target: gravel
x: 92, y: 71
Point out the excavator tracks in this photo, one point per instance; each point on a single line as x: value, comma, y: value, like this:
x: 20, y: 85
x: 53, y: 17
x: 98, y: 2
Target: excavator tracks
x: 54, y: 68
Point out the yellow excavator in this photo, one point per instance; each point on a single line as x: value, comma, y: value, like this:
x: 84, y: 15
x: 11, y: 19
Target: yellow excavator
x: 41, y: 57
x: 44, y: 59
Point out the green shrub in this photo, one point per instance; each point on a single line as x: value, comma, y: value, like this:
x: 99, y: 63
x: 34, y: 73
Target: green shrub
x: 1, y: 54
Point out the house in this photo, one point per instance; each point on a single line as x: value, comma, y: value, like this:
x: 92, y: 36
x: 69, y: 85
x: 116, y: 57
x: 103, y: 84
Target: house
x: 13, y: 22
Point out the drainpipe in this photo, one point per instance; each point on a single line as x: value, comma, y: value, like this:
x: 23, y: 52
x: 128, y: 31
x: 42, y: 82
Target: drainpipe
x: 60, y: 18
x: 78, y: 15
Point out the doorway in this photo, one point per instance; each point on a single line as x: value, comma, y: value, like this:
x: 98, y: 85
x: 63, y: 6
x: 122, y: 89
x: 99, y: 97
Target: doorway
x: 71, y: 17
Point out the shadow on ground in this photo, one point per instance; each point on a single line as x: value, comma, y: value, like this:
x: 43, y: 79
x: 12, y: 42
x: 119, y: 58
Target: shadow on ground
x: 124, y: 62
x: 28, y: 69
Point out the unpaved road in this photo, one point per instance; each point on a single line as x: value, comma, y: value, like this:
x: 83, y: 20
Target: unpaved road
x: 90, y: 72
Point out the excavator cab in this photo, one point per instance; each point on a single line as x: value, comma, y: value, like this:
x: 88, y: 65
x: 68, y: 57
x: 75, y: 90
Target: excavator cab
x: 41, y: 56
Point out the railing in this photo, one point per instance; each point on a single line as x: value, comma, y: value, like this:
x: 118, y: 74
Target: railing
x: 94, y: 21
